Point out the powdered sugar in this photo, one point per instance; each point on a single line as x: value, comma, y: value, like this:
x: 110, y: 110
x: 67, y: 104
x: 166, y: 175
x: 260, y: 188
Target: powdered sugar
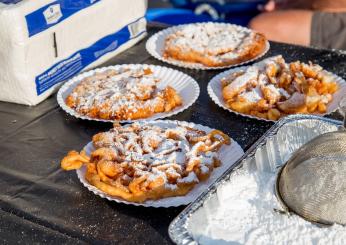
x: 190, y: 178
x: 277, y: 89
x: 239, y: 84
x: 284, y: 93
x: 227, y: 154
x: 252, y: 96
x: 247, y: 215
x: 209, y: 38
x: 164, y: 153
x: 220, y: 44
x: 121, y: 93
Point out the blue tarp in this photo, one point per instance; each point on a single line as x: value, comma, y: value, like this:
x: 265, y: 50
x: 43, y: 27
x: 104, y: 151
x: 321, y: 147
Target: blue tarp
x: 188, y: 11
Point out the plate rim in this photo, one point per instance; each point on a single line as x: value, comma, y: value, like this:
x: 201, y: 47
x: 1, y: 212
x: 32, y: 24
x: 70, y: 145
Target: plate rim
x: 150, y: 43
x: 156, y: 203
x: 77, y: 79
x: 218, y: 101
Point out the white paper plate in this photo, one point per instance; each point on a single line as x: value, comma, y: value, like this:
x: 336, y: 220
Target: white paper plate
x: 228, y: 154
x: 155, y: 47
x: 185, y: 85
x: 215, y: 93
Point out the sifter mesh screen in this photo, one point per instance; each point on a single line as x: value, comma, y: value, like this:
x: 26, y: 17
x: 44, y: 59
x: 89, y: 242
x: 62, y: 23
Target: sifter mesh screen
x: 312, y: 183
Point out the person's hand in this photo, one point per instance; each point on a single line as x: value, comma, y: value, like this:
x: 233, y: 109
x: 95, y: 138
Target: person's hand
x: 270, y: 6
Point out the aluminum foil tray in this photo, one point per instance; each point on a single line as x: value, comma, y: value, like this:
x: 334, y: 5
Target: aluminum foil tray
x: 270, y: 152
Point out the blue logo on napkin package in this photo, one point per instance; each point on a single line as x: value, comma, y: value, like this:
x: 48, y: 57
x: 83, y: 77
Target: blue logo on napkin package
x: 70, y: 66
x: 54, y: 13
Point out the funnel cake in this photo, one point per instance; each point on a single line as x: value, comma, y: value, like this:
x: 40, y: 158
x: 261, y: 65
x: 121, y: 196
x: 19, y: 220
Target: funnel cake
x: 122, y: 94
x: 273, y: 88
x: 214, y: 44
x: 142, y: 162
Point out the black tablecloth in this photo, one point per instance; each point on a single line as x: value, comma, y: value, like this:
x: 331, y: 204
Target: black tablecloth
x: 41, y: 203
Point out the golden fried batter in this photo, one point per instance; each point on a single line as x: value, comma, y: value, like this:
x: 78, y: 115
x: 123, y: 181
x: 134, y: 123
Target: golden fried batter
x: 143, y: 162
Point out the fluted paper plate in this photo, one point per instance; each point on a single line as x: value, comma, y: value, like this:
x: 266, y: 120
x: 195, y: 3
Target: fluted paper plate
x: 215, y: 93
x: 228, y: 154
x: 155, y: 47
x: 185, y: 85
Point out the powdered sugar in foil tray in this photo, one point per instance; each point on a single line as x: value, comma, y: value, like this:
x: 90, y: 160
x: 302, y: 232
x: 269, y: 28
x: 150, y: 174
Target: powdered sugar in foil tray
x: 248, y: 216
x: 244, y: 209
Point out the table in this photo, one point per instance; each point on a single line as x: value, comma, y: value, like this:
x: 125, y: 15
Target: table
x: 41, y: 203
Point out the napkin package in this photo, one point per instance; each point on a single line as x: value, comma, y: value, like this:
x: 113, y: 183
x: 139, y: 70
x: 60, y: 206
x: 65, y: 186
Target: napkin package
x: 45, y: 42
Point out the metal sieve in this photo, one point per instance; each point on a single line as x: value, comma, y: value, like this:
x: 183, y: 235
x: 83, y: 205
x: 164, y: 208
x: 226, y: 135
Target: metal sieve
x: 312, y: 183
